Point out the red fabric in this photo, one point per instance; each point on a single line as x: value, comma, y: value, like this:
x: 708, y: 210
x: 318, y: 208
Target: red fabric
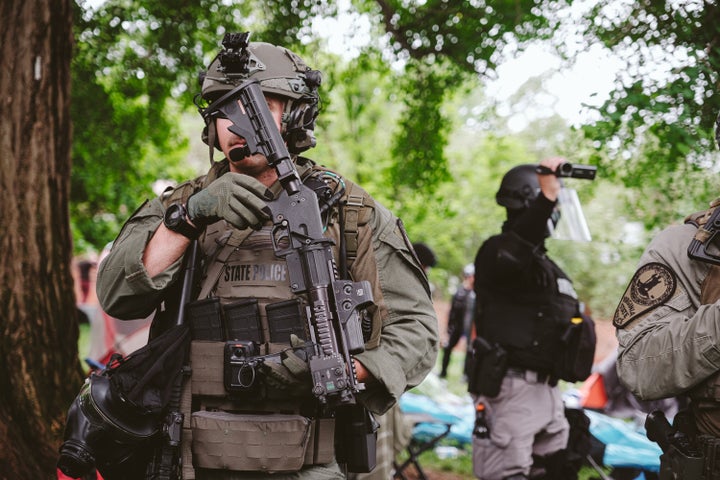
x: 592, y: 392
x: 62, y: 476
x: 110, y: 333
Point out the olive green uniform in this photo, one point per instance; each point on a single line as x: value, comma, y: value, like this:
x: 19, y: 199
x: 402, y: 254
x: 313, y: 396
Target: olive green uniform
x: 668, y: 327
x: 402, y: 347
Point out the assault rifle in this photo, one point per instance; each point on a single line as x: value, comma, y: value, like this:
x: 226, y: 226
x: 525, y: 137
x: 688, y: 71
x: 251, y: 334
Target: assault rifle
x: 333, y: 303
x: 701, y: 246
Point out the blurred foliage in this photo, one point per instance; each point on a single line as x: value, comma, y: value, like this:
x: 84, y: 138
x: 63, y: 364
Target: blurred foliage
x: 137, y: 60
x: 657, y: 127
x: 407, y: 116
x: 129, y: 59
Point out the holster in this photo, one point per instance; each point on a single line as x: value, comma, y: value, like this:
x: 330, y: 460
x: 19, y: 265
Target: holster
x: 682, y: 457
x: 710, y: 448
x: 356, y: 438
x: 487, y: 368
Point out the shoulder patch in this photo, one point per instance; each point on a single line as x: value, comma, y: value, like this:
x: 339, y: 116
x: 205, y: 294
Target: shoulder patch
x: 651, y: 286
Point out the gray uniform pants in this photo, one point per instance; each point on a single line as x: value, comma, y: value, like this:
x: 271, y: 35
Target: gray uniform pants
x: 527, y: 417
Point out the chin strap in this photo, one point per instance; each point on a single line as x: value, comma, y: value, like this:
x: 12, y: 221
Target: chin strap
x: 211, y: 139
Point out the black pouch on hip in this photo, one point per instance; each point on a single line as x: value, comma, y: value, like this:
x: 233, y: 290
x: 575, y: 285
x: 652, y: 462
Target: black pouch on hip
x: 487, y: 369
x: 356, y: 438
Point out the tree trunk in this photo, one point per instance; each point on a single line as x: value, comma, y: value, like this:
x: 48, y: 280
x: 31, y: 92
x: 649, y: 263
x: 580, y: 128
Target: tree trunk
x: 40, y: 372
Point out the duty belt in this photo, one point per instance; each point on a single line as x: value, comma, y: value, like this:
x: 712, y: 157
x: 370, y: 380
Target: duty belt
x: 531, y: 376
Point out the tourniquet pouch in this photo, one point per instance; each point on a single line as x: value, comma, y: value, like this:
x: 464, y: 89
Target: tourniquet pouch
x: 488, y: 368
x: 267, y: 443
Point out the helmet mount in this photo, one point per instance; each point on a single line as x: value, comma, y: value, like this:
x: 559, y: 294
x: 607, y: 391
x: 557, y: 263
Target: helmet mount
x: 234, y: 57
x: 279, y: 72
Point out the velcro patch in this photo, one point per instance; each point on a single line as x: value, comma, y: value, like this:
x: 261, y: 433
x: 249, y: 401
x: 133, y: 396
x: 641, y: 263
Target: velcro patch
x: 651, y: 286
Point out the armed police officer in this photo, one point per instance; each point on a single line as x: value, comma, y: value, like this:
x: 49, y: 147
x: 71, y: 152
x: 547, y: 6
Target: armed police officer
x: 668, y: 330
x: 525, y: 304
x: 245, y: 287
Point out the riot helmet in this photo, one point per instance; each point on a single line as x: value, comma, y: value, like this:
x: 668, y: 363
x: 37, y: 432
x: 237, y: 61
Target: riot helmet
x: 279, y: 72
x: 518, y: 187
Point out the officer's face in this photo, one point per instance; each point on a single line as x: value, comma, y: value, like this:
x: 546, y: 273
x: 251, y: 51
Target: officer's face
x: 254, y: 165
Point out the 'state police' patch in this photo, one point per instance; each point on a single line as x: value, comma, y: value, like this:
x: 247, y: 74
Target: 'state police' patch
x: 651, y: 286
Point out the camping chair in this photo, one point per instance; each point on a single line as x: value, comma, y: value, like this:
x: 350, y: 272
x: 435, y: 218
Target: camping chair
x: 421, y: 441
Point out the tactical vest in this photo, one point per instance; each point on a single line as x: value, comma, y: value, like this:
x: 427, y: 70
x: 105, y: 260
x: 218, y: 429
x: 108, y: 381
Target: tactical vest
x: 706, y: 396
x: 237, y: 432
x: 529, y: 324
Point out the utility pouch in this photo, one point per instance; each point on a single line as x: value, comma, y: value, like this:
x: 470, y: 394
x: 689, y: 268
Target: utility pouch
x: 206, y: 319
x: 578, y: 353
x: 487, y: 368
x: 356, y: 438
x: 261, y: 443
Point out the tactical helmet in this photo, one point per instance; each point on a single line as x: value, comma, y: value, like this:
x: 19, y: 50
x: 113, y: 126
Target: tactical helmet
x: 279, y: 72
x: 518, y: 188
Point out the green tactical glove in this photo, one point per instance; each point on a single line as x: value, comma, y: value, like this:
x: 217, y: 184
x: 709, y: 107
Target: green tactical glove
x: 237, y: 198
x: 291, y: 375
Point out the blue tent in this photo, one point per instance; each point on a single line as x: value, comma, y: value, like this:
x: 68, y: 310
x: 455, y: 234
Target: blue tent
x: 626, y: 445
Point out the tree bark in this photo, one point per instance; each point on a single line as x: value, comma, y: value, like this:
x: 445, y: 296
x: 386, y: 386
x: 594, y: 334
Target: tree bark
x: 40, y: 372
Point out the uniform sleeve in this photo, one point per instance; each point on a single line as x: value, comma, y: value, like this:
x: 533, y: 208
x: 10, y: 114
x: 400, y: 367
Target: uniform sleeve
x: 667, y: 339
x: 124, y: 288
x: 409, y: 339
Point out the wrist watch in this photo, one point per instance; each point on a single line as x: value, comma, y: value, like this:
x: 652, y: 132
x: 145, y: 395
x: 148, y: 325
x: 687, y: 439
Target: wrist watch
x: 176, y: 220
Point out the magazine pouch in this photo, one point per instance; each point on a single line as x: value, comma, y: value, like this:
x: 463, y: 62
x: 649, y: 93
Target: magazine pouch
x: 578, y: 353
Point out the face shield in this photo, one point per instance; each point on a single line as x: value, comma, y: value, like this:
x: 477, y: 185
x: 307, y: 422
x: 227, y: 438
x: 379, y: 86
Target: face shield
x: 571, y: 224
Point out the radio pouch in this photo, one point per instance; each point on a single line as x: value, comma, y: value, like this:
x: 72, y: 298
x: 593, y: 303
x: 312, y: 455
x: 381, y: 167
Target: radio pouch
x: 487, y: 368
x: 578, y: 353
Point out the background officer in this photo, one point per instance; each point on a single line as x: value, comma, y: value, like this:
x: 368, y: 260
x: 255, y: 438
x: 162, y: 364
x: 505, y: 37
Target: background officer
x: 460, y: 317
x: 524, y: 302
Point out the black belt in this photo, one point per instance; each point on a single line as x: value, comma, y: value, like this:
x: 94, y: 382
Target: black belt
x: 531, y: 375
